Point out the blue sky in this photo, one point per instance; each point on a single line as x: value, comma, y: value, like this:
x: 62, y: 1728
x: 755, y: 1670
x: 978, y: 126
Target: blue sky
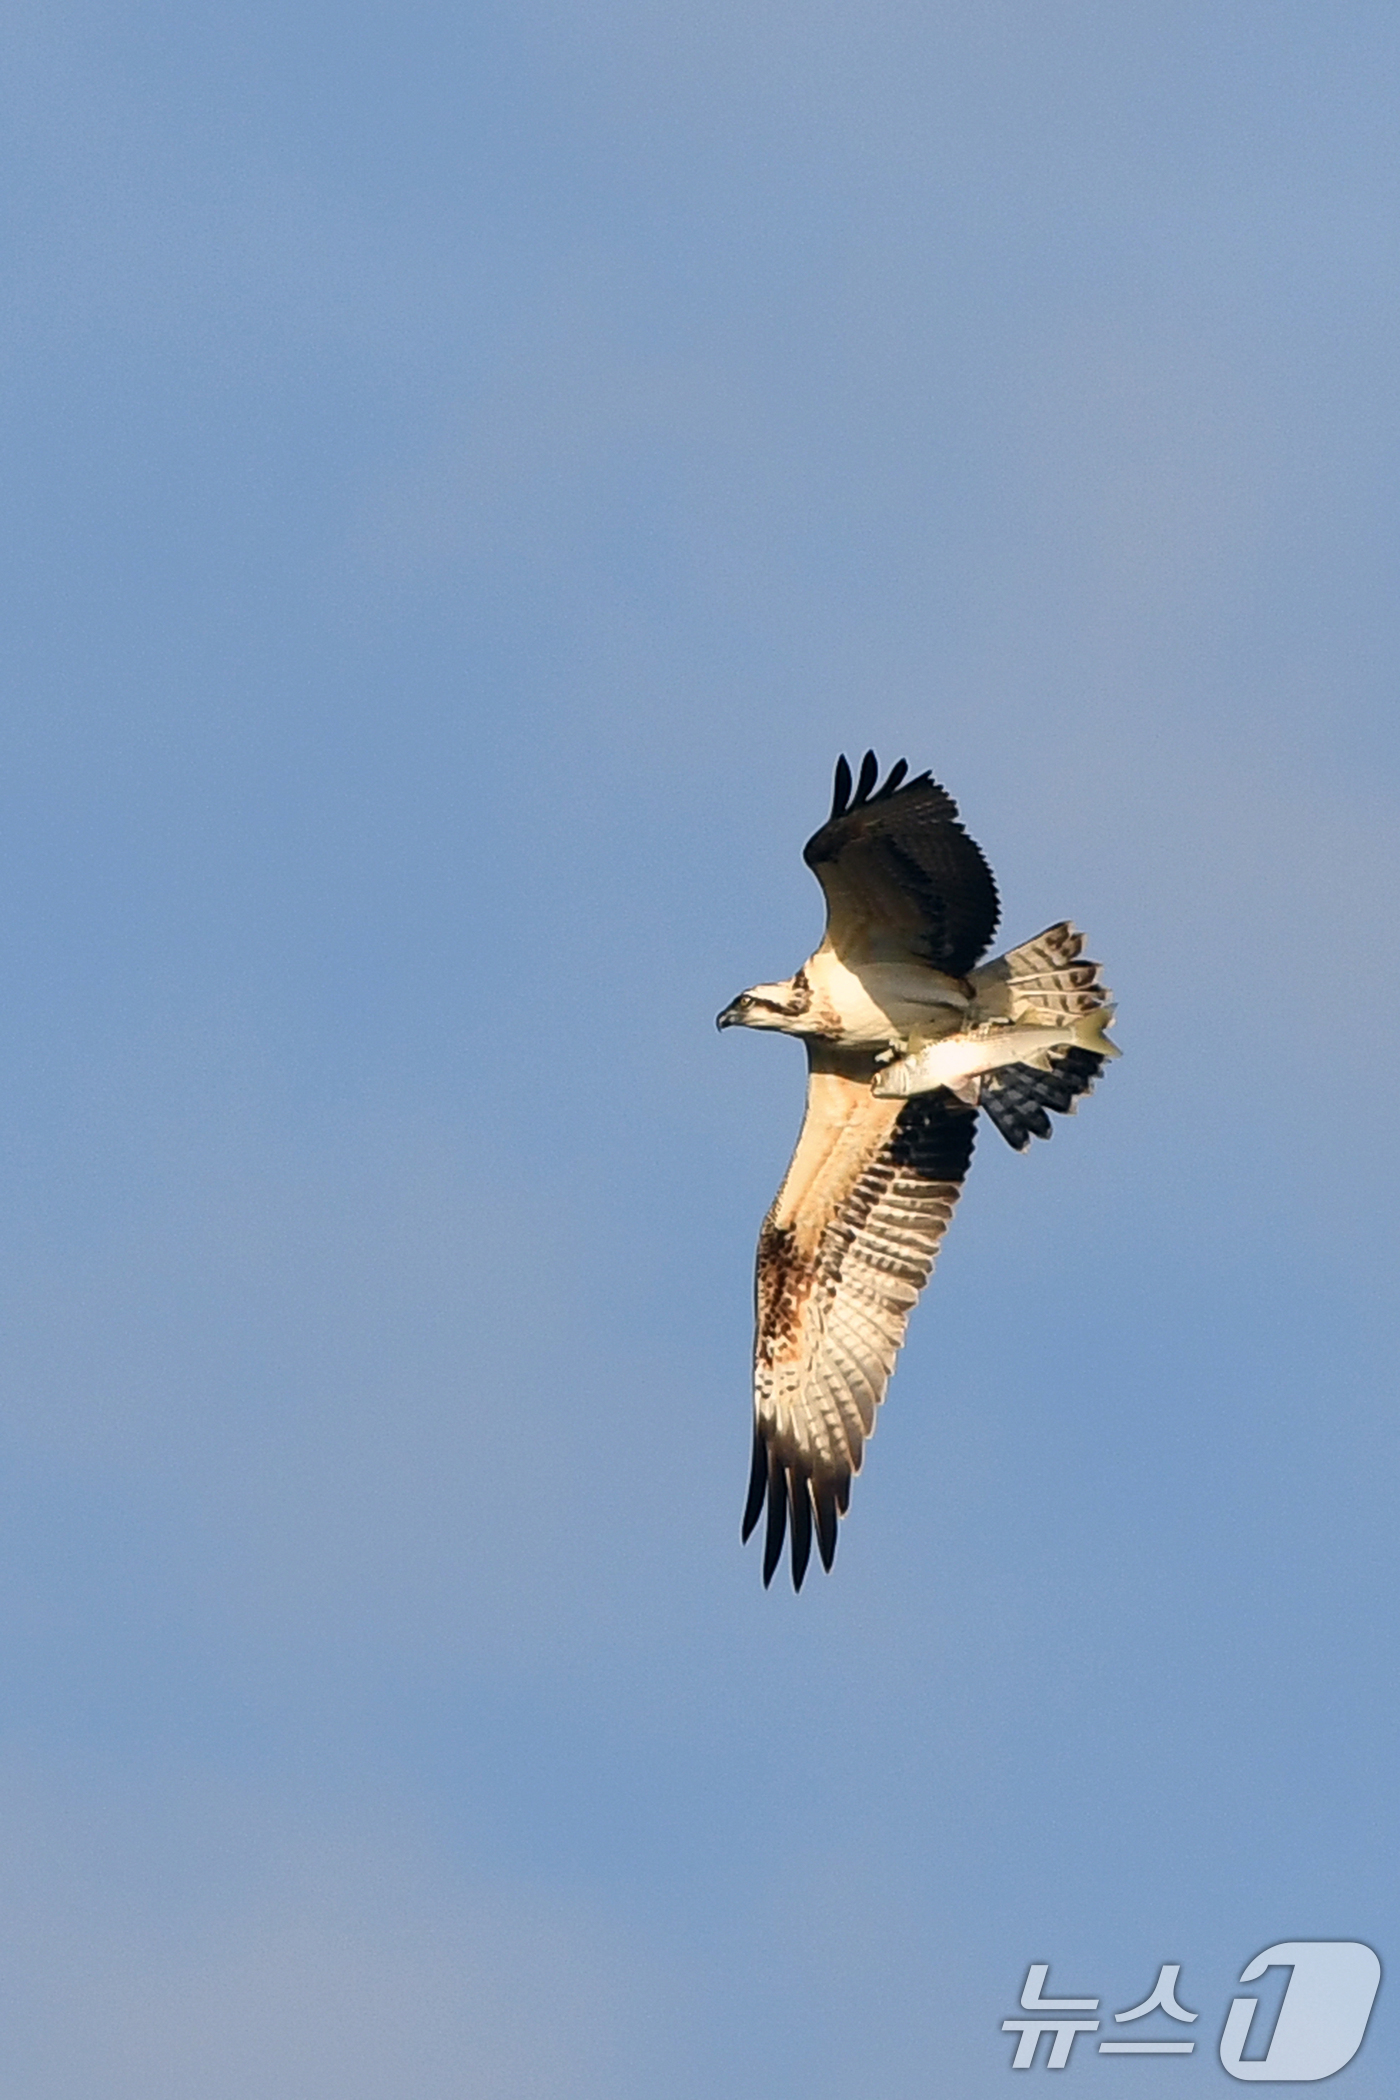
x: 469, y: 471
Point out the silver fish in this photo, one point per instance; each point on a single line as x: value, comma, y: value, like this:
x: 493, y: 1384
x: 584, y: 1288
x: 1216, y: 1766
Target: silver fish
x: 952, y: 1060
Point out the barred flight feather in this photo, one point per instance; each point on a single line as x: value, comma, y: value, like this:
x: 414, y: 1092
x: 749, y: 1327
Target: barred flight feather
x: 835, y: 1288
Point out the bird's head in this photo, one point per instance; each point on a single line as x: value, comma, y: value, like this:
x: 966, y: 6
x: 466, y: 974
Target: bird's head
x: 780, y: 1006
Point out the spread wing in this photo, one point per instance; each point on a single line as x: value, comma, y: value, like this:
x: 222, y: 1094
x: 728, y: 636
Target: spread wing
x: 902, y: 878
x: 843, y: 1255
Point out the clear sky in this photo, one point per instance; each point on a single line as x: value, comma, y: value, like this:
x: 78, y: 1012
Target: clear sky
x: 468, y: 471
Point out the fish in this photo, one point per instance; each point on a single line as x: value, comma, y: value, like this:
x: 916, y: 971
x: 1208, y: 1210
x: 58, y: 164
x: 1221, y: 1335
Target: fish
x: 955, y: 1060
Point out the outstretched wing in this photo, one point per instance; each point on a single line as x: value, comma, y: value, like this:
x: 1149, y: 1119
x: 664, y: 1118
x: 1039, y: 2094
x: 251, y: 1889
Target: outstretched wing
x: 843, y: 1255
x: 902, y: 878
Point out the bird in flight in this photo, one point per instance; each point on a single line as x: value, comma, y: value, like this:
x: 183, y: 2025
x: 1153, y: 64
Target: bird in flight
x: 909, y: 1036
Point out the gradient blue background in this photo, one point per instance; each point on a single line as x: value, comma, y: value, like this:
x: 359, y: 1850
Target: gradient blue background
x: 468, y: 471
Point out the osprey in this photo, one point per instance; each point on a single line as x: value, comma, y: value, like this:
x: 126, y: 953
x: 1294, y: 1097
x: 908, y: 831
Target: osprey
x: 908, y: 1037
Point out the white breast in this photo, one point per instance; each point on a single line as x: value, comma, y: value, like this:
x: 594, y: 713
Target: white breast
x: 881, y: 1000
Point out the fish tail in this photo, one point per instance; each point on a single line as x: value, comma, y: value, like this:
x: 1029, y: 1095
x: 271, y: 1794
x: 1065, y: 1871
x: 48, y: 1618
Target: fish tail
x: 1091, y: 1032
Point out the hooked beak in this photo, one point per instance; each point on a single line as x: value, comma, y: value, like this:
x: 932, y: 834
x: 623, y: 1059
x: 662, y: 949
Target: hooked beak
x: 730, y: 1018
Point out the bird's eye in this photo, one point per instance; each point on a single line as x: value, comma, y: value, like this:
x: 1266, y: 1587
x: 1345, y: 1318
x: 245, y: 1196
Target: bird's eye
x: 745, y: 1001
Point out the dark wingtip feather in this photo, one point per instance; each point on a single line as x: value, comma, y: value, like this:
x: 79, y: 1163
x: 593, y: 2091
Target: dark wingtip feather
x: 824, y: 1494
x: 896, y: 775
x: 758, y: 1487
x: 812, y: 1507
x: 869, y: 774
x: 841, y: 790
x: 777, y: 1519
x: 801, y: 1525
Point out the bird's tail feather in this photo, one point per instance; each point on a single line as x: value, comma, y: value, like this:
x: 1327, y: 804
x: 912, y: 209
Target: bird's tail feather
x: 1045, y: 980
